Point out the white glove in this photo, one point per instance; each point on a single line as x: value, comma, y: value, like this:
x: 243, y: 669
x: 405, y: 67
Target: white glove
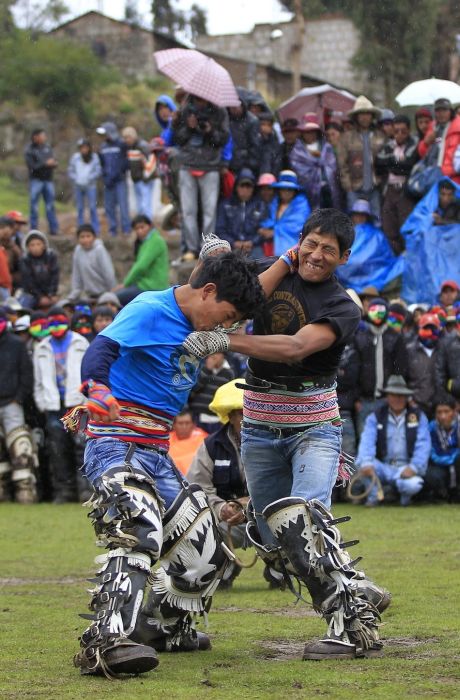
x: 204, y: 343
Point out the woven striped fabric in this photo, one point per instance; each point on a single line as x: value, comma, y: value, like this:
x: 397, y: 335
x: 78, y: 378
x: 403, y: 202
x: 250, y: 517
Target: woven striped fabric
x: 288, y: 409
x: 135, y: 424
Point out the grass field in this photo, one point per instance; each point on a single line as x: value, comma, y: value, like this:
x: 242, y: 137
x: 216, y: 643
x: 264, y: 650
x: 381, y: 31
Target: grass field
x: 257, y: 634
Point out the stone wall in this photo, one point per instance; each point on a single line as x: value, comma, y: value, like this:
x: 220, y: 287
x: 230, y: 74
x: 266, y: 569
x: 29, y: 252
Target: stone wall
x: 329, y: 46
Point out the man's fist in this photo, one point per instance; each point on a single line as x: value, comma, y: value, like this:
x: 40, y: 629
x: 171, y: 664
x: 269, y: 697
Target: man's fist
x: 102, y: 404
x: 204, y: 343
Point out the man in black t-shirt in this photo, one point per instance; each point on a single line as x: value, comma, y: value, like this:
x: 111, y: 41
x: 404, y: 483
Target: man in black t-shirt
x: 291, y: 436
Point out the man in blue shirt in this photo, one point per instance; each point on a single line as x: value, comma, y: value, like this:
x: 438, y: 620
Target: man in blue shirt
x: 395, y: 444
x: 137, y: 376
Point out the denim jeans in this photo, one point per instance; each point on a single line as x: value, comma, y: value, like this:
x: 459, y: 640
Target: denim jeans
x: 45, y: 189
x: 103, y: 453
x: 190, y: 188
x: 117, y: 196
x: 144, y: 197
x: 389, y: 474
x: 304, y: 464
x: 90, y: 195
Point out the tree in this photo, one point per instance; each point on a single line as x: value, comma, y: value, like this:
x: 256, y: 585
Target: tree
x: 198, y: 21
x: 132, y: 15
x: 6, y: 17
x: 168, y: 19
x: 41, y: 16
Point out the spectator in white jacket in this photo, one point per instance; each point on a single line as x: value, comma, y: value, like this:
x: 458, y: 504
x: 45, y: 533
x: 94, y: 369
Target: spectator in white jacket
x: 92, y: 267
x: 57, y: 360
x: 84, y: 170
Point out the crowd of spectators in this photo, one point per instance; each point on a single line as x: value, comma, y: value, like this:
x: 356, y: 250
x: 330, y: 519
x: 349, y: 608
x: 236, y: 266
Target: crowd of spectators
x: 238, y: 173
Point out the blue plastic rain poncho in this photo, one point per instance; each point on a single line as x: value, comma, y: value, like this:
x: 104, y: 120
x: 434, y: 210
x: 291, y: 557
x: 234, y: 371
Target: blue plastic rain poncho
x: 287, y: 229
x: 372, y: 262
x: 432, y: 251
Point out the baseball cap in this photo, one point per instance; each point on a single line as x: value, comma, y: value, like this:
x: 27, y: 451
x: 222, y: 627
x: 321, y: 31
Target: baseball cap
x: 16, y: 216
x: 450, y: 283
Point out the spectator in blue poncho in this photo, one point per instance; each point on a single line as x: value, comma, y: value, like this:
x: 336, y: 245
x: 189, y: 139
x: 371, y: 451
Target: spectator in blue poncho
x: 164, y: 111
x: 288, y: 213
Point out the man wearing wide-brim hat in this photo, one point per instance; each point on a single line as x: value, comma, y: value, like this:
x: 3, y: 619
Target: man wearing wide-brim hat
x: 356, y: 155
x: 395, y: 444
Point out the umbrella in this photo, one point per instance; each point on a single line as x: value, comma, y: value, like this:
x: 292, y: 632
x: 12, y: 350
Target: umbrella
x: 316, y: 99
x: 424, y: 92
x: 198, y: 75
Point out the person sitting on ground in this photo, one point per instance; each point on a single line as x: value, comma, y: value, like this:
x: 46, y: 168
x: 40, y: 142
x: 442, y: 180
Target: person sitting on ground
x: 18, y: 474
x: 442, y: 479
x: 218, y: 469
x: 288, y: 213
x: 240, y: 216
x: 19, y: 220
x: 215, y: 372
x: 185, y: 439
x: 395, y: 445
x: 102, y: 317
x: 150, y: 271
x: 57, y: 360
x: 92, y: 267
x: 39, y: 269
x: 421, y: 353
x: 448, y: 209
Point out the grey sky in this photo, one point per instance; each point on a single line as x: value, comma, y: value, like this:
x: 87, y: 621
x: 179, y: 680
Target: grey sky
x: 223, y: 17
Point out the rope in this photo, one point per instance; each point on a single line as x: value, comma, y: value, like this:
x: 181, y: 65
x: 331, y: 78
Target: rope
x: 358, y: 497
x: 230, y: 545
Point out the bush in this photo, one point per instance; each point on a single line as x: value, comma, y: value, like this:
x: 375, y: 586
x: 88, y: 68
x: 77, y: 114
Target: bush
x: 61, y: 74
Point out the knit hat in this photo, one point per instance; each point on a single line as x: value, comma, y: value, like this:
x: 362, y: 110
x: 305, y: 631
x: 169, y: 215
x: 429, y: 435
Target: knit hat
x: 212, y: 243
x: 386, y: 115
x: 35, y: 234
x: 103, y: 310
x: 245, y: 175
x: 109, y: 298
x: 442, y: 103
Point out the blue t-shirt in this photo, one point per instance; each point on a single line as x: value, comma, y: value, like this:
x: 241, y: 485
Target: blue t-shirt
x: 152, y: 368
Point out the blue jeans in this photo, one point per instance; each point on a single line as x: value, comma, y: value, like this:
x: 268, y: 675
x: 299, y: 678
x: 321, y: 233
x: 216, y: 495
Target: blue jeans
x: 90, y: 194
x: 113, y: 197
x: 45, y: 189
x: 144, y: 197
x: 103, y: 453
x: 304, y: 464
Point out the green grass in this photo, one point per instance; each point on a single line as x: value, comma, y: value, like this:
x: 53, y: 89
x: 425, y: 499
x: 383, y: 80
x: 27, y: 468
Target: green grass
x: 47, y: 553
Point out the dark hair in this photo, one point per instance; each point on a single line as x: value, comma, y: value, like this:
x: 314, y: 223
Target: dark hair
x: 446, y: 400
x: 334, y: 223
x: 402, y: 119
x: 141, y: 219
x: 236, y: 282
x: 86, y: 228
x: 35, y: 132
x: 186, y: 411
x: 334, y: 125
x: 447, y: 185
x: 103, y: 310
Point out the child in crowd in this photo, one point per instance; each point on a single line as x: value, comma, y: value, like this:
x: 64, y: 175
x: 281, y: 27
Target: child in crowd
x: 270, y: 148
x: 39, y: 269
x: 13, y: 251
x: 92, y: 267
x: 102, y: 317
x: 18, y: 220
x: 6, y: 282
x: 448, y: 210
x: 82, y: 322
x: 57, y: 360
x: 442, y: 478
x: 84, y: 170
x: 111, y: 300
x: 150, y: 271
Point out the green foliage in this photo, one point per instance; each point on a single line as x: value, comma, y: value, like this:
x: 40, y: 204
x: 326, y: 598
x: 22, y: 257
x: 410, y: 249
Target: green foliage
x: 413, y: 551
x: 169, y: 19
x: 61, y: 74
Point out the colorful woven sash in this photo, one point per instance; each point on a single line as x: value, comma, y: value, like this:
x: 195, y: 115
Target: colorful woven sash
x: 288, y: 409
x: 137, y: 424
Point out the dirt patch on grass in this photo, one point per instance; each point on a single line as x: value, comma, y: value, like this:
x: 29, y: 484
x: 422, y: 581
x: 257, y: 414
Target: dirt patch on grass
x: 286, y: 650
x: 296, y: 611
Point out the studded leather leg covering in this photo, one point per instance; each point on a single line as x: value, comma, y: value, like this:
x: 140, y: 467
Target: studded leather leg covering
x: 24, y: 463
x: 193, y: 559
x: 310, y: 540
x: 127, y: 518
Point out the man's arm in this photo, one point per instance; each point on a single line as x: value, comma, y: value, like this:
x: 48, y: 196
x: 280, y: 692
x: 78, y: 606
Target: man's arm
x: 285, y: 348
x: 270, y: 279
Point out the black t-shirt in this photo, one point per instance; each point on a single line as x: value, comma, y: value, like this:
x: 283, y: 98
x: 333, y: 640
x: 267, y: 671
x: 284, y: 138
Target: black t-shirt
x: 293, y: 305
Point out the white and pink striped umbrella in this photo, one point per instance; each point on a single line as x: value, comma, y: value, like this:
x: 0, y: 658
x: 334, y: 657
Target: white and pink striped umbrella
x: 198, y: 75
